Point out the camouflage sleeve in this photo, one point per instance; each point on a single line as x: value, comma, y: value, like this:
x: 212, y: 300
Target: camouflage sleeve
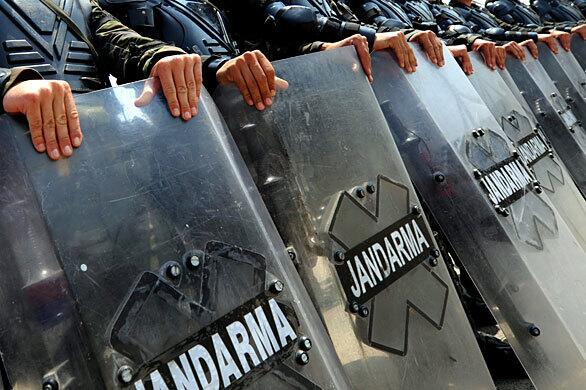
x: 452, y: 38
x: 11, y: 77
x: 124, y: 53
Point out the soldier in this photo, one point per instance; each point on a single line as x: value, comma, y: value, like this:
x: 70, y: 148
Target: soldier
x: 483, y: 21
x: 516, y: 13
x: 560, y: 10
x: 200, y: 27
x: 421, y: 14
x: 42, y: 87
x: 287, y: 28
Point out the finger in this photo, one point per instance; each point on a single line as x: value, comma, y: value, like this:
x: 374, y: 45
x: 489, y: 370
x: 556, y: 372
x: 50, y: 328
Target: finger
x: 566, y: 43
x: 409, y: 54
x: 168, y: 86
x: 281, y: 84
x: 181, y: 88
x: 35, y: 124
x: 150, y: 89
x: 197, y: 71
x: 75, y: 133
x: 428, y: 48
x: 439, y: 52
x: 467, y: 64
x: 397, y: 48
x: 189, y: 75
x: 552, y: 45
x: 268, y: 70
x: 260, y: 78
x: 361, y: 47
x: 241, y: 84
x: 533, y: 50
x: 253, y: 87
x: 49, y: 126
x: 61, y: 122
x: 488, y: 57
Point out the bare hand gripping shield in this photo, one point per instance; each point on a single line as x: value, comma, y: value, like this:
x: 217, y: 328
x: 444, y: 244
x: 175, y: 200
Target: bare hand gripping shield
x: 332, y: 178
x: 148, y: 261
x: 515, y: 245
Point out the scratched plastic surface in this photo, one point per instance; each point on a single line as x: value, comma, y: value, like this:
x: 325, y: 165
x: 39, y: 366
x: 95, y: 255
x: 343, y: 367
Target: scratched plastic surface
x: 579, y: 50
x: 555, y: 115
x: 518, y: 122
x: 143, y: 190
x: 322, y: 139
x: 528, y: 266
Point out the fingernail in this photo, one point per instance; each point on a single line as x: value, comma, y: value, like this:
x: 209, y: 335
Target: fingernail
x: 76, y: 141
x: 67, y: 150
x: 41, y: 147
x: 175, y: 112
x: 268, y: 101
x: 273, y: 92
x: 55, y: 154
x: 250, y: 102
x: 193, y: 111
x: 187, y: 115
x: 260, y: 106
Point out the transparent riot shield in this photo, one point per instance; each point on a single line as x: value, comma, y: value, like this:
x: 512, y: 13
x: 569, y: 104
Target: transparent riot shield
x: 554, y: 114
x: 579, y: 50
x: 567, y: 75
x: 523, y: 131
x: 325, y: 163
x: 147, y: 260
x: 514, y: 244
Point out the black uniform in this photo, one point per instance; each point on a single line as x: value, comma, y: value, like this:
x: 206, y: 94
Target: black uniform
x: 40, y: 44
x: 482, y: 21
x: 559, y: 10
x: 516, y: 13
x: 290, y: 27
x: 418, y: 14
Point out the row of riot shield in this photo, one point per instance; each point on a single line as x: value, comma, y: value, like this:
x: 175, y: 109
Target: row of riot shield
x: 287, y: 248
x: 148, y: 260
x: 502, y: 198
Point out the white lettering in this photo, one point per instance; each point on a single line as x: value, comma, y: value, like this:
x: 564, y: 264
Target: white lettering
x: 226, y: 363
x: 182, y: 376
x: 199, y: 354
x: 240, y: 341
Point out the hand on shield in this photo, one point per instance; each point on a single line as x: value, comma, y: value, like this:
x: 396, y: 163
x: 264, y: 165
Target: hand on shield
x: 580, y: 30
x: 460, y: 53
x: 254, y: 76
x: 550, y: 41
x: 396, y: 42
x: 180, y: 79
x: 532, y: 47
x: 360, y: 43
x: 515, y: 50
x: 488, y: 51
x: 501, y: 56
x: 432, y: 46
x: 563, y: 37
x: 51, y: 114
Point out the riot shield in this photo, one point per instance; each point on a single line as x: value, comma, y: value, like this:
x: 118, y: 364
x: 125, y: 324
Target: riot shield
x: 554, y: 114
x: 523, y: 131
x: 579, y: 50
x: 147, y: 260
x: 567, y: 75
x: 325, y: 163
x: 518, y: 250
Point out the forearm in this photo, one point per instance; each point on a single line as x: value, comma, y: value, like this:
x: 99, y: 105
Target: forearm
x: 10, y: 77
x: 130, y: 55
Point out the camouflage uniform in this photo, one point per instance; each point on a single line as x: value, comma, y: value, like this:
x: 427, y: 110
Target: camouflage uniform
x: 122, y: 52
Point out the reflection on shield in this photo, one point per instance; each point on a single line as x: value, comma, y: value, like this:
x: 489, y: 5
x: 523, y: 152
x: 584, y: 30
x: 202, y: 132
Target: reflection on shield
x: 331, y: 176
x: 499, y: 221
x: 140, y: 250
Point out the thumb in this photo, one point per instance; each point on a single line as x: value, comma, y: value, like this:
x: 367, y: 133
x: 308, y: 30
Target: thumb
x: 281, y: 84
x: 151, y: 87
